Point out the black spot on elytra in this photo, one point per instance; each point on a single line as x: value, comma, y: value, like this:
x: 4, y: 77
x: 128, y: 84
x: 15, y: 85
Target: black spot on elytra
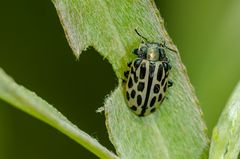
x: 163, y: 80
x: 139, y: 100
x: 133, y: 93
x: 143, y: 70
x: 135, y: 78
x: 134, y: 75
x: 149, y: 86
x: 152, y: 101
x: 132, y: 71
x: 127, y: 95
x: 165, y: 87
x: 153, y: 110
x: 134, y: 107
x: 160, y: 97
x: 130, y: 82
x: 151, y: 70
x: 156, y: 88
x: 140, y: 86
x: 159, y: 73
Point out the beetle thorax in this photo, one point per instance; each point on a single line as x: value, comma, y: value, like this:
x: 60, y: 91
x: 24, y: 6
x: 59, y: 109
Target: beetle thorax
x: 152, y: 54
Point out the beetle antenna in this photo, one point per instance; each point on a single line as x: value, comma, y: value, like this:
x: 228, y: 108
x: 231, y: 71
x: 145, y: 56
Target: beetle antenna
x: 164, y: 45
x: 141, y: 35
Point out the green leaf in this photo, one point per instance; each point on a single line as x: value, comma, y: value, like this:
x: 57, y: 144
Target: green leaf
x: 176, y: 130
x: 30, y: 103
x: 225, y: 142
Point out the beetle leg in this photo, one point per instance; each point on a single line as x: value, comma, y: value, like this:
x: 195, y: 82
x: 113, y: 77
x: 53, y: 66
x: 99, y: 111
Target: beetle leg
x: 170, y: 83
x: 169, y: 66
x: 165, y: 66
x: 126, y: 73
x: 164, y: 98
x: 129, y: 63
x: 135, y: 51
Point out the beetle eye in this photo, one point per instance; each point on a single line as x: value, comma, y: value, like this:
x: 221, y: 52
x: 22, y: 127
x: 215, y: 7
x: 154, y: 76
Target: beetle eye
x: 161, y: 54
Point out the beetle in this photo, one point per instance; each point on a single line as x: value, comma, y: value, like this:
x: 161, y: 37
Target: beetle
x: 147, y: 77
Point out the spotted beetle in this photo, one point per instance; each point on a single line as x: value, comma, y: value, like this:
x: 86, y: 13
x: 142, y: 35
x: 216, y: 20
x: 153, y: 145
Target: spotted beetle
x: 147, y: 77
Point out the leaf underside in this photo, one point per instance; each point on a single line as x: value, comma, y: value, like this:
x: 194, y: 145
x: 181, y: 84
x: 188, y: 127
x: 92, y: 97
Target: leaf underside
x: 176, y: 130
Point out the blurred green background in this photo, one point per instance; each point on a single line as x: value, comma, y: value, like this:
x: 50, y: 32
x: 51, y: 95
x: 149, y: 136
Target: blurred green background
x: 34, y: 51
